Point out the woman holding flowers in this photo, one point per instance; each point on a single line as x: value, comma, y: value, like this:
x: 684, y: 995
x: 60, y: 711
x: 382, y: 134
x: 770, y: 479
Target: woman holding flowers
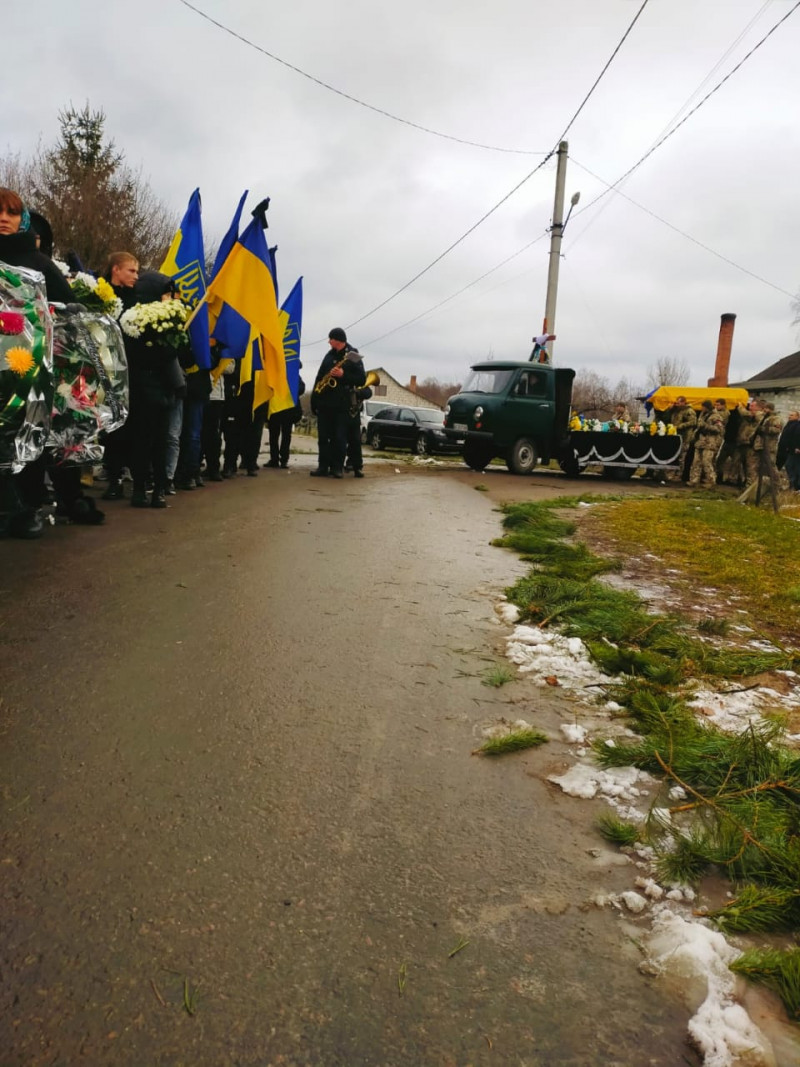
x: 154, y: 332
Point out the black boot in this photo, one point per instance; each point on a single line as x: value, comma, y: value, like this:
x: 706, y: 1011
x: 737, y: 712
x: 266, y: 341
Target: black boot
x: 114, y: 491
x: 27, y: 524
x: 139, y: 497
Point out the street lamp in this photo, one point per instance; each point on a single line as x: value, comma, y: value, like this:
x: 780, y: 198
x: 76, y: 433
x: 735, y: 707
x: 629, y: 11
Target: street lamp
x: 575, y: 198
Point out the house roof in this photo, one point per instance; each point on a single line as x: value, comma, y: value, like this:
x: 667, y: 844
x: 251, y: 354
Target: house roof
x: 788, y: 367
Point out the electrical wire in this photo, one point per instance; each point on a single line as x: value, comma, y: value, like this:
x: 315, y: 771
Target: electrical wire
x: 605, y: 68
x: 354, y: 99
x: 742, y: 34
x: 689, y: 114
x: 500, y: 202
x: 676, y: 229
x: 463, y: 289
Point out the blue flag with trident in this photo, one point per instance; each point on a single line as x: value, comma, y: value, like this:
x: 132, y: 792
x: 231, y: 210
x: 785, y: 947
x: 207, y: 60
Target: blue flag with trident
x: 291, y: 316
x: 185, y: 264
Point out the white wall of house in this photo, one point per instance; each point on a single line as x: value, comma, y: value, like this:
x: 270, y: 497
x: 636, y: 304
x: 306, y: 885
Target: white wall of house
x: 785, y: 394
x: 393, y: 392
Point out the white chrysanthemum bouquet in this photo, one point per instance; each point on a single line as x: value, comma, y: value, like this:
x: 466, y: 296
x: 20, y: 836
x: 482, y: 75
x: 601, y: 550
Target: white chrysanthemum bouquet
x: 160, y: 323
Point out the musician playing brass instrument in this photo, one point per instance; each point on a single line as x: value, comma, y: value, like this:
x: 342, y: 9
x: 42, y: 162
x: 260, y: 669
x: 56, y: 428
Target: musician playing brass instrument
x: 340, y: 372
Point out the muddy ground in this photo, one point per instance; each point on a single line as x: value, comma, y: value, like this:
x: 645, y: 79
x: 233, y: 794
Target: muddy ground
x: 242, y: 822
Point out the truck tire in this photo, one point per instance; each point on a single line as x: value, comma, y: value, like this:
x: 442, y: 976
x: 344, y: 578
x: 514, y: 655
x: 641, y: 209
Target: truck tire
x: 477, y: 457
x: 523, y: 456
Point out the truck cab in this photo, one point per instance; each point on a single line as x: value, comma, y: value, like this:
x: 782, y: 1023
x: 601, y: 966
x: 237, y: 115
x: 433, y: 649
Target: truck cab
x: 518, y: 411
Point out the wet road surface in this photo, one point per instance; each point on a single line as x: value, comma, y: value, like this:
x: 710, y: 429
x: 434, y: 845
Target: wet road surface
x: 241, y: 821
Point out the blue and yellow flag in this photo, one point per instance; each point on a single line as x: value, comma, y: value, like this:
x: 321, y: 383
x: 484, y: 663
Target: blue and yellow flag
x: 246, y: 284
x: 185, y: 263
x: 292, y: 322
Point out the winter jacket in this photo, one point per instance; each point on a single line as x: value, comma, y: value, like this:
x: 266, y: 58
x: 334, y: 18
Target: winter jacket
x: 19, y: 250
x: 155, y: 371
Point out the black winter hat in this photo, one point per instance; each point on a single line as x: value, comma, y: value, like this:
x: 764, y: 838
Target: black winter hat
x: 337, y: 334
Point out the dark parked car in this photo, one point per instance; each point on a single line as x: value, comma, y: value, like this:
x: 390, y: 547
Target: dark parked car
x: 420, y: 429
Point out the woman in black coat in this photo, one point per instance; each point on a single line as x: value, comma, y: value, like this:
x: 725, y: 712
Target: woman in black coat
x: 156, y: 379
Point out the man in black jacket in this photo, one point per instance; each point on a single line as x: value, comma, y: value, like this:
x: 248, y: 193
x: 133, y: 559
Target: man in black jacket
x: 340, y: 372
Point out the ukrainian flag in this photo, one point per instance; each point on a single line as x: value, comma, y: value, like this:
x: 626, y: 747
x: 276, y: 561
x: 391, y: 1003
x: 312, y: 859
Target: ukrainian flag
x: 185, y: 264
x: 292, y: 321
x: 245, y: 283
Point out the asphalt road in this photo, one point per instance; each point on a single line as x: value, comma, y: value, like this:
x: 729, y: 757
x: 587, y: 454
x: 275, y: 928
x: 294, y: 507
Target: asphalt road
x: 242, y: 824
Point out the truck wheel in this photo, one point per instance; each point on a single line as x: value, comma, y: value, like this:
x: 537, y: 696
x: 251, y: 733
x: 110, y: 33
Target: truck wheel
x: 476, y: 457
x: 523, y: 456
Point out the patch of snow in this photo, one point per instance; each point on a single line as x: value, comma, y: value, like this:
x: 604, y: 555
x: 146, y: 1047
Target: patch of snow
x: 508, y: 612
x: 699, y: 957
x: 587, y: 780
x: 575, y: 734
x: 634, y: 902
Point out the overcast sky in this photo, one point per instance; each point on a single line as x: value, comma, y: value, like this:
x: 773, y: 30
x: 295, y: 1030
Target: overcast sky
x: 361, y: 203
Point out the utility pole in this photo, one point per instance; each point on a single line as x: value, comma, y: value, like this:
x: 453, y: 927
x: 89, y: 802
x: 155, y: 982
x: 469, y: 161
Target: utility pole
x: 556, y: 233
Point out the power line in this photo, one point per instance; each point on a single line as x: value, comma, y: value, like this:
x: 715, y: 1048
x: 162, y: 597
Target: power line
x: 500, y: 202
x: 676, y: 229
x: 463, y: 289
x: 354, y: 99
x: 605, y: 68
x: 742, y: 34
x: 689, y: 114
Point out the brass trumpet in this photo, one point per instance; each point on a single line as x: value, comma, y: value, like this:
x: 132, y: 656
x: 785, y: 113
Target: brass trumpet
x: 373, y: 378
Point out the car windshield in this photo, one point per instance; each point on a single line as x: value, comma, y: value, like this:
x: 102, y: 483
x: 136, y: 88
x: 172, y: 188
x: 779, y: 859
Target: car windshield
x: 429, y: 415
x: 487, y: 381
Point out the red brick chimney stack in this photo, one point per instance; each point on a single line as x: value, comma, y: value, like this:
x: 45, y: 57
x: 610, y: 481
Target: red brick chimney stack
x: 412, y: 385
x: 724, y: 346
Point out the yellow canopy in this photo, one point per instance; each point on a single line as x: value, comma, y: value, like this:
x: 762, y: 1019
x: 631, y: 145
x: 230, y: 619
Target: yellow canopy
x: 666, y: 395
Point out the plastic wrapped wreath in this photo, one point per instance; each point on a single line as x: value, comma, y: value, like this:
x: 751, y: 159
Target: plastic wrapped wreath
x: 91, y: 384
x: 26, y: 384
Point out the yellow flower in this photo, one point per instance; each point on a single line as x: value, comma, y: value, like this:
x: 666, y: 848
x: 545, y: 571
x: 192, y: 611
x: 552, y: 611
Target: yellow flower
x: 20, y: 361
x: 105, y: 292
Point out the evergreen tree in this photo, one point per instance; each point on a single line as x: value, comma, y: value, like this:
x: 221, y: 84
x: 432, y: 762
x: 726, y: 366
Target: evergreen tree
x: 95, y: 202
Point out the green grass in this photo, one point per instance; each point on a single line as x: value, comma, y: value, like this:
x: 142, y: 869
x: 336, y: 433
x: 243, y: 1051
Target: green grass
x: 498, y: 675
x: 512, y: 742
x: 748, y: 552
x: 741, y: 815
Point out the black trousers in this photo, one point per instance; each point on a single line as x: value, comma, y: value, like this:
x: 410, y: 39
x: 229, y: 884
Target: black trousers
x: 212, y: 434
x: 116, y: 452
x: 148, y: 423
x: 332, y: 431
x: 280, y: 436
x: 355, y: 456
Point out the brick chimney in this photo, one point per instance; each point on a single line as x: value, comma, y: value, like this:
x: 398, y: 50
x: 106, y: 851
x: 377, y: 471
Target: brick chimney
x: 412, y: 385
x: 724, y: 346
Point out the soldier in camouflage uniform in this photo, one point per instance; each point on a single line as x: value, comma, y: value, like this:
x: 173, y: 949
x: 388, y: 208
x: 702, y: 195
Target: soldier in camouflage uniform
x: 748, y: 420
x: 684, y: 419
x: 707, y: 441
x: 765, y: 437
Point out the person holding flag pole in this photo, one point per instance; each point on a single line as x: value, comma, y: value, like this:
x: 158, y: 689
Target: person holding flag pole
x: 185, y: 265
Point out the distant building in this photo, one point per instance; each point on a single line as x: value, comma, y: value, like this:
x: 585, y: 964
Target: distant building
x: 395, y: 393
x: 779, y: 383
